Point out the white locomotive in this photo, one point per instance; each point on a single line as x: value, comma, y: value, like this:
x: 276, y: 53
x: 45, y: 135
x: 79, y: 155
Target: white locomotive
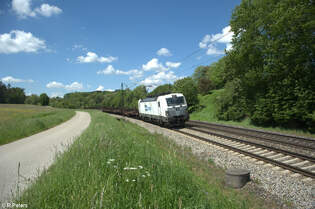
x: 169, y: 109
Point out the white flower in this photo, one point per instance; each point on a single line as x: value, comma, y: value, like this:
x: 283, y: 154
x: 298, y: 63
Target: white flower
x: 127, y: 180
x: 108, y: 162
x: 131, y: 168
x: 111, y: 160
x: 140, y: 167
x: 115, y: 166
x: 133, y: 180
x: 143, y: 176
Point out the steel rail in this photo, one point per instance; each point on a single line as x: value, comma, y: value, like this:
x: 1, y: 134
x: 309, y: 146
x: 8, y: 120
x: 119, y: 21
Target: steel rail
x: 274, y: 162
x: 210, y: 125
x: 297, y: 155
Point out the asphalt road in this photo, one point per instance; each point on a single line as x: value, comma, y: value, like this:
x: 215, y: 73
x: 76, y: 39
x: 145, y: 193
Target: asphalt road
x: 34, y: 153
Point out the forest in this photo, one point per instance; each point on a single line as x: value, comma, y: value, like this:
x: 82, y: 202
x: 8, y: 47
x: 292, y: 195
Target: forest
x: 267, y: 76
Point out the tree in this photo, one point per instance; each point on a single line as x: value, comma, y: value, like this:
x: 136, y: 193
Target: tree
x: 15, y: 95
x: 44, y: 99
x: 3, y: 93
x: 163, y: 89
x: 33, y: 99
x: 218, y: 73
x: 273, y: 58
x: 188, y: 87
x: 202, y: 80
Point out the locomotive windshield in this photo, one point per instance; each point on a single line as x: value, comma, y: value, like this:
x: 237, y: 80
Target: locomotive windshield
x: 175, y: 101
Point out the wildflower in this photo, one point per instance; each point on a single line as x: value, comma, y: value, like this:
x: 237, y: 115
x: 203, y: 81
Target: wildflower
x: 115, y: 166
x: 143, y: 176
x: 133, y: 180
x: 111, y: 160
x: 127, y: 180
x: 140, y: 167
x: 131, y: 168
x: 108, y: 162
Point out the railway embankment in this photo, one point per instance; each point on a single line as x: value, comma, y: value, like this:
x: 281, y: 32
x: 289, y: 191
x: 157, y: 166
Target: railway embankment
x: 268, y: 181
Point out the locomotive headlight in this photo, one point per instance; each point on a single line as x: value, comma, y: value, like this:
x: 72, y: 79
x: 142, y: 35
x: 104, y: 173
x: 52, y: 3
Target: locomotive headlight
x: 166, y: 113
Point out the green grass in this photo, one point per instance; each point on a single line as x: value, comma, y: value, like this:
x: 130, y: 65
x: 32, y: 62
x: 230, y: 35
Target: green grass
x: 94, y: 173
x: 18, y: 121
x: 208, y: 113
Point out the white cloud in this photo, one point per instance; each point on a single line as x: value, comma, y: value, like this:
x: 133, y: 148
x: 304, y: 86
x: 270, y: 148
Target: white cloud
x: 229, y: 46
x: 20, y: 41
x: 154, y: 64
x: 10, y: 79
x: 163, y: 52
x: 212, y: 50
x: 47, y: 10
x: 73, y: 86
x: 100, y: 88
x: 54, y: 84
x: 224, y: 37
x: 173, y: 64
x: 206, y: 39
x: 93, y: 57
x: 108, y: 70
x: 79, y: 46
x: 109, y: 90
x: 23, y: 9
x: 134, y: 73
x: 209, y: 41
x: 159, y: 78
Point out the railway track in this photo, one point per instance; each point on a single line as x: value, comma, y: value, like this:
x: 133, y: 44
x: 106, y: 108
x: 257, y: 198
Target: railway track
x: 288, y: 160
x: 271, y: 137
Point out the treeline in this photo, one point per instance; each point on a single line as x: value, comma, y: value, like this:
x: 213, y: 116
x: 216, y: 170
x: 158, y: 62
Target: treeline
x: 120, y: 98
x: 11, y: 95
x: 269, y: 73
x: 16, y: 95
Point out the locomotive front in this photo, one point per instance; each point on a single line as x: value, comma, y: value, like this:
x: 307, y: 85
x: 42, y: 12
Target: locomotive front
x: 176, y: 109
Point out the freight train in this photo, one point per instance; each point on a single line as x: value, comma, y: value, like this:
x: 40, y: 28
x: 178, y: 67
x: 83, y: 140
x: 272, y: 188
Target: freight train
x: 165, y: 110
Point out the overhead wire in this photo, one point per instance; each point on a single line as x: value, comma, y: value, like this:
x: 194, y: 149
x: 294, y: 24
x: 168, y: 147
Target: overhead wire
x: 192, y: 54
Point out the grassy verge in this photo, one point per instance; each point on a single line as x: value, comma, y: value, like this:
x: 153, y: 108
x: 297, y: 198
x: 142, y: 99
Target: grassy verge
x: 208, y: 113
x: 18, y: 121
x: 116, y: 164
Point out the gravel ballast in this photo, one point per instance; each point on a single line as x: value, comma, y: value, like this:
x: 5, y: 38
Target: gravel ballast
x: 268, y: 181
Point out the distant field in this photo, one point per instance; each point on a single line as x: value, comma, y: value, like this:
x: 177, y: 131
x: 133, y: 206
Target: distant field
x: 116, y: 164
x: 18, y: 121
x: 208, y: 113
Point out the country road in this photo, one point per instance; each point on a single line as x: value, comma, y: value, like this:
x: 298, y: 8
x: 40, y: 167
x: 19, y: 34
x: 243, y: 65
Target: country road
x: 36, y: 152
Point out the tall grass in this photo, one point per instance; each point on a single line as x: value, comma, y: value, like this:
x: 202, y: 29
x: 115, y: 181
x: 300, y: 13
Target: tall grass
x: 116, y: 164
x: 18, y: 121
x: 208, y: 113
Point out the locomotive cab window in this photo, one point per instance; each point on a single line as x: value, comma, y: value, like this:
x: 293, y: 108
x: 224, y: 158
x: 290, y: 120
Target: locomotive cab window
x: 159, y: 104
x: 175, y: 101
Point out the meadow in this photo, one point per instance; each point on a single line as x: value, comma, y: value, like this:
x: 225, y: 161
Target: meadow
x: 117, y: 164
x: 209, y: 111
x: 20, y: 120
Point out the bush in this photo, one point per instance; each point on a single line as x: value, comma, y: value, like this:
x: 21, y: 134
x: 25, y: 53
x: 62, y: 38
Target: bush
x: 44, y: 99
x: 230, y: 102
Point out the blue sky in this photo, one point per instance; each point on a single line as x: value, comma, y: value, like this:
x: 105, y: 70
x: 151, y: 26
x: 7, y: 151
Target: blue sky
x: 56, y: 46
